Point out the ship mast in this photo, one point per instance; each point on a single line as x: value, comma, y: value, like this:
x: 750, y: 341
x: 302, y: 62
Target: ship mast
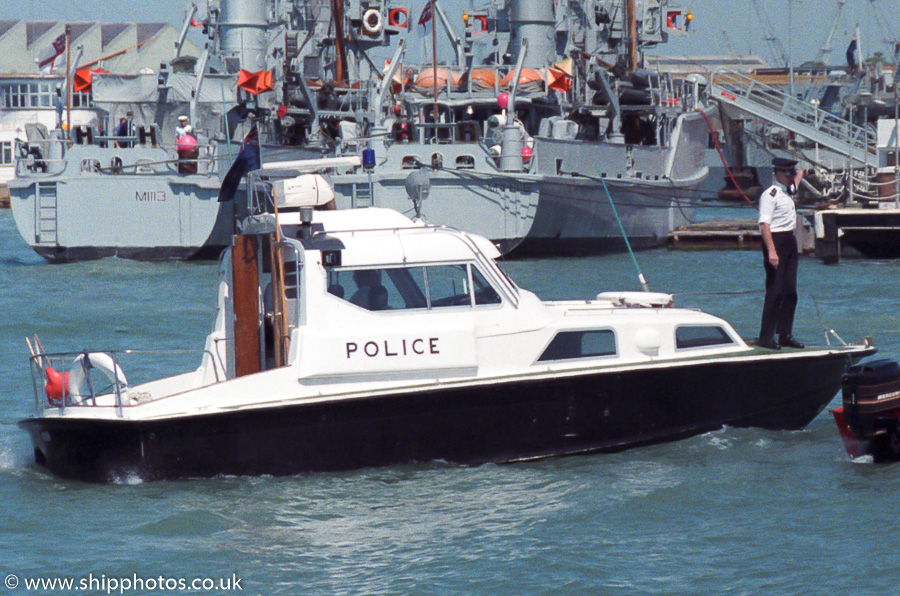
x: 631, y: 33
x: 337, y: 11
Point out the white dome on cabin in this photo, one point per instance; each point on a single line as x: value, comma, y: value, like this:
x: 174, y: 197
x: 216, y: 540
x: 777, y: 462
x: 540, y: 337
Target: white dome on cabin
x: 306, y: 190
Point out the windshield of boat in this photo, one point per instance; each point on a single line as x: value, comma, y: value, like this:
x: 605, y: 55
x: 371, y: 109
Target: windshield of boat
x: 421, y: 287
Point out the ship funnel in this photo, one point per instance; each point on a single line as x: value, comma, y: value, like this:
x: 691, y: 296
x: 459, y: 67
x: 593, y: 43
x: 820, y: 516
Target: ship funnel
x: 242, y: 33
x: 533, y: 20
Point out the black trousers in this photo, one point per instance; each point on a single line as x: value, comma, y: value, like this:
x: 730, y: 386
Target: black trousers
x: 781, y: 287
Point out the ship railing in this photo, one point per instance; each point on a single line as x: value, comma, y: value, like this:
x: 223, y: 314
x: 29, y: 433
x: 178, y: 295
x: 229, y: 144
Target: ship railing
x: 435, y: 132
x: 49, y: 158
x: 781, y: 108
x: 480, y: 81
x: 65, y: 380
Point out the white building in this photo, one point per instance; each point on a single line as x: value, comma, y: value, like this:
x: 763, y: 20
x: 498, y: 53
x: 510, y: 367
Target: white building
x: 30, y: 96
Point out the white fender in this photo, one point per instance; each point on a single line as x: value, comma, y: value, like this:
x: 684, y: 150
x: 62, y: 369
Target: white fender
x: 102, y: 362
x: 372, y: 21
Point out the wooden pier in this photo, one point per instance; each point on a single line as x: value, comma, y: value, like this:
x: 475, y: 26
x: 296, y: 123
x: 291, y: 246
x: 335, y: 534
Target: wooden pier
x: 717, y: 234
x: 871, y: 233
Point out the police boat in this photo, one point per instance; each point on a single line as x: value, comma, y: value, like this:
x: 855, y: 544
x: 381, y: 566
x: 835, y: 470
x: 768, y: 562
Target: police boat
x: 356, y: 338
x: 869, y: 417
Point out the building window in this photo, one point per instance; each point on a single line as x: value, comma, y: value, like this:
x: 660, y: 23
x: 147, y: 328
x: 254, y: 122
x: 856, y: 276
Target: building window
x: 82, y: 100
x: 37, y: 95
x: 6, y: 153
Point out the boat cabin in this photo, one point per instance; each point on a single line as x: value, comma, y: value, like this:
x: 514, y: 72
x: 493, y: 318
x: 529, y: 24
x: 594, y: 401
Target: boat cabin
x: 368, y: 294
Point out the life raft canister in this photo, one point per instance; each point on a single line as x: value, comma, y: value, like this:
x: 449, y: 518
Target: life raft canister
x: 398, y: 17
x: 372, y: 22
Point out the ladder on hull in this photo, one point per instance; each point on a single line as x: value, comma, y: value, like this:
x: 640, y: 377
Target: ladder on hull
x: 731, y: 88
x: 46, y: 229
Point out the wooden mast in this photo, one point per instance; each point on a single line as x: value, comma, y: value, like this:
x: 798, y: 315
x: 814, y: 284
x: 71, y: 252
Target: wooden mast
x: 245, y: 292
x: 337, y: 13
x: 631, y: 35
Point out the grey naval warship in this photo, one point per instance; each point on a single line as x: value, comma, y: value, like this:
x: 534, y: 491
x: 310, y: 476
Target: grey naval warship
x: 537, y: 129
x: 546, y: 136
x: 141, y: 195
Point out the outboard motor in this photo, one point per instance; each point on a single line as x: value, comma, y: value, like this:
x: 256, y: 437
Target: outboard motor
x: 870, y: 419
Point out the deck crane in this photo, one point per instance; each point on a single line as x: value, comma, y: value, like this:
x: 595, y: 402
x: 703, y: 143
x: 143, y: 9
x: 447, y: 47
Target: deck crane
x: 887, y: 35
x: 728, y: 44
x: 774, y: 43
x: 826, y: 47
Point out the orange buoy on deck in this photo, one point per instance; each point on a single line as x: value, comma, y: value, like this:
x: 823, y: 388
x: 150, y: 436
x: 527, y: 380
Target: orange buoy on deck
x: 57, y: 384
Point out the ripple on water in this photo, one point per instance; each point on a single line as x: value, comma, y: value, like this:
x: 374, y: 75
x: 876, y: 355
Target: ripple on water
x: 192, y: 522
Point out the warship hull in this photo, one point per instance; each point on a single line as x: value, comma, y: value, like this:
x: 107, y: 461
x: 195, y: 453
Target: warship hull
x: 132, y: 213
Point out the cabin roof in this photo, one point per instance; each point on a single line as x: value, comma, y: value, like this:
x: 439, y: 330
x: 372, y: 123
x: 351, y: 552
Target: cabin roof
x: 375, y: 236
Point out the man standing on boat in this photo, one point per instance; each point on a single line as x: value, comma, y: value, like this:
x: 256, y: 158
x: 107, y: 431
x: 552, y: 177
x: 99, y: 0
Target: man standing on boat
x: 183, y: 128
x: 777, y: 220
x: 186, y: 146
x: 125, y: 130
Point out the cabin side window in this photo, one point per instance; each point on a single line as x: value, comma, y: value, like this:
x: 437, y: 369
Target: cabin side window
x: 700, y: 336
x: 428, y: 287
x: 448, y: 285
x: 592, y: 343
x: 484, y: 292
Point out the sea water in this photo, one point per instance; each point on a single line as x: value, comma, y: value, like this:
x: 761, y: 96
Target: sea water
x: 735, y: 511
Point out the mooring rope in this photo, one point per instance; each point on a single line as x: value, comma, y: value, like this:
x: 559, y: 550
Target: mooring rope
x: 625, y: 236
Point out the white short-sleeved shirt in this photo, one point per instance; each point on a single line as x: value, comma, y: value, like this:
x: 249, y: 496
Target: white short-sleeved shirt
x: 776, y: 208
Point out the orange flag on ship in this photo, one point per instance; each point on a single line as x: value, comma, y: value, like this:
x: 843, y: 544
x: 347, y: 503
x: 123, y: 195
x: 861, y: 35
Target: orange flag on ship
x: 559, y: 76
x: 255, y: 82
x: 83, y: 79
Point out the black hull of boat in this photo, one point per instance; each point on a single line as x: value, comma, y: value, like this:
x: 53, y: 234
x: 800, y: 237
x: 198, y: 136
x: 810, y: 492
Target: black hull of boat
x: 498, y: 422
x: 62, y: 254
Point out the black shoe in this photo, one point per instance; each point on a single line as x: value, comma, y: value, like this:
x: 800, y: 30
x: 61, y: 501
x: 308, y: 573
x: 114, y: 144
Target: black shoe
x: 768, y: 342
x: 789, y: 342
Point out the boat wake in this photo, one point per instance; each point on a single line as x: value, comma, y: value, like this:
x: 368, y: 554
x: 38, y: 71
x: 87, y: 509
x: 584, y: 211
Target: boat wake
x: 129, y: 479
x: 23, y: 261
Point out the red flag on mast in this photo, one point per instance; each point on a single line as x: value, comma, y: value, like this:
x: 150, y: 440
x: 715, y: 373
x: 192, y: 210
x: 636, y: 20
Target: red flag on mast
x: 427, y: 14
x: 48, y: 61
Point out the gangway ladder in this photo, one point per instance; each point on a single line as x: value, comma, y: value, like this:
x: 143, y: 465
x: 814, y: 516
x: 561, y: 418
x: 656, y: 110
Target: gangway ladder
x: 362, y: 193
x: 856, y: 143
x: 46, y: 228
